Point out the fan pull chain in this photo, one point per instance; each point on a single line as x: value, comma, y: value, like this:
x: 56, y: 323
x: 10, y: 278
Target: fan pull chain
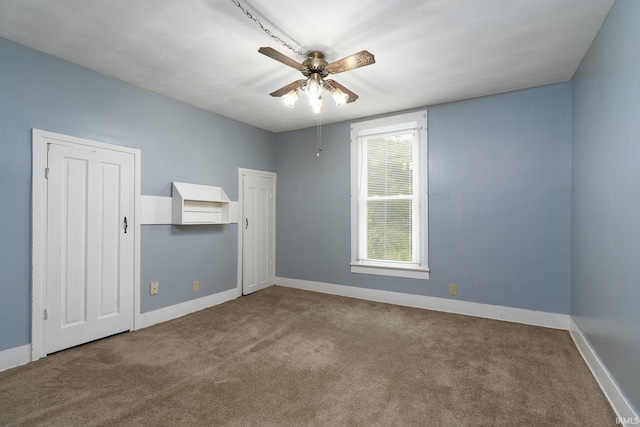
x: 266, y: 30
x: 319, y: 136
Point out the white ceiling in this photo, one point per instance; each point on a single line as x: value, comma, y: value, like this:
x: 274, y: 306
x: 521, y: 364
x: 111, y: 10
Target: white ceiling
x: 204, y: 52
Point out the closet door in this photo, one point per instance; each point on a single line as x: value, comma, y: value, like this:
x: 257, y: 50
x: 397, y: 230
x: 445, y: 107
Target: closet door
x: 90, y: 245
x: 258, y: 236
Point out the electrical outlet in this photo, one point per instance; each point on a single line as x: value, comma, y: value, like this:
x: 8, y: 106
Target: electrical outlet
x: 154, y: 288
x: 453, y: 289
x: 196, y: 286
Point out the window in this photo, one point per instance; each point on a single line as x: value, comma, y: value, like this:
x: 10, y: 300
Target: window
x: 389, y: 196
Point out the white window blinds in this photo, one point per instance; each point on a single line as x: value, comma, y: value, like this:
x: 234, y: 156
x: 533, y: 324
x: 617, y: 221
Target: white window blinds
x: 389, y: 196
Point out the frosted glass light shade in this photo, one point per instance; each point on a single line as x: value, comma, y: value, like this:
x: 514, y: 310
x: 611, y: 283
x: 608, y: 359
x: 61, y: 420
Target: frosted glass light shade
x: 314, y: 86
x: 316, y: 105
x: 290, y: 98
x: 339, y: 96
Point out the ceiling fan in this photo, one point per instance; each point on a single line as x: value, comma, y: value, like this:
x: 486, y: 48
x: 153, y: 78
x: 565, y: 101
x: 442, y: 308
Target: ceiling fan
x: 316, y: 69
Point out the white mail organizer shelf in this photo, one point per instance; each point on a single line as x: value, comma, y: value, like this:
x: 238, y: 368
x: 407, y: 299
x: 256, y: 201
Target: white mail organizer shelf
x: 199, y: 204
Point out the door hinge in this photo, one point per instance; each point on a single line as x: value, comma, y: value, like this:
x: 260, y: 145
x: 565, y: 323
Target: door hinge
x: 46, y: 173
x: 46, y: 314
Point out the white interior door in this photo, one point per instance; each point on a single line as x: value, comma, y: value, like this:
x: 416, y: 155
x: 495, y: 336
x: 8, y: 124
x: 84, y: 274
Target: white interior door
x: 258, y: 237
x: 90, y: 244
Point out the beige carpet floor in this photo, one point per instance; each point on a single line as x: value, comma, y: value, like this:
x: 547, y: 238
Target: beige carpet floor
x: 285, y: 357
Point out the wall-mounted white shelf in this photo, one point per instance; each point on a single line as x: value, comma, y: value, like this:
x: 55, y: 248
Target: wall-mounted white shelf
x: 199, y: 204
x: 156, y: 210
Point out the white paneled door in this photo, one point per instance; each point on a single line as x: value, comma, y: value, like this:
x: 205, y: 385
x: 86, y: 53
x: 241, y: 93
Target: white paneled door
x: 90, y: 244
x: 258, y: 236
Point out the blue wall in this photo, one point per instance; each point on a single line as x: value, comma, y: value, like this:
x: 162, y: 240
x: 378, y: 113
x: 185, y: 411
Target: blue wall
x: 178, y: 143
x: 499, y: 202
x: 605, y: 223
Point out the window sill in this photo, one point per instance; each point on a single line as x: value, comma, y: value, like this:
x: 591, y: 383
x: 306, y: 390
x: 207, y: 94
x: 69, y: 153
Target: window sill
x: 409, y: 273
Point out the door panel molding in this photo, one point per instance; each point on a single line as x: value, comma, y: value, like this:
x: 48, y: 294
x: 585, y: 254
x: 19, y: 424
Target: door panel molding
x: 258, y: 173
x: 40, y: 141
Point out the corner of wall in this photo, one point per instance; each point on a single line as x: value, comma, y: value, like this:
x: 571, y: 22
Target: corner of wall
x: 617, y: 399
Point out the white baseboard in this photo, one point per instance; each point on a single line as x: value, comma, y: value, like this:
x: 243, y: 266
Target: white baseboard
x: 509, y: 314
x: 617, y: 399
x: 15, y: 357
x: 172, y: 312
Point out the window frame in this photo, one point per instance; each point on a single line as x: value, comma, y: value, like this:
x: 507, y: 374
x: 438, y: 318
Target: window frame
x: 419, y: 269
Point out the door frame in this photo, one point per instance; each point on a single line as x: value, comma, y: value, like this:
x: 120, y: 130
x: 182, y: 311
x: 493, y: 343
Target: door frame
x: 39, y: 141
x: 254, y: 172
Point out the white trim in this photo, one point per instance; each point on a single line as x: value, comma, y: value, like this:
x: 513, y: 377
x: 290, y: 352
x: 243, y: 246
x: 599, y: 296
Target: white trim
x: 409, y: 273
x: 38, y: 243
x: 390, y: 123
x: 178, y: 310
x: 39, y: 141
x: 616, y: 397
x: 274, y: 176
x: 15, y: 357
x: 137, y: 201
x: 497, y: 312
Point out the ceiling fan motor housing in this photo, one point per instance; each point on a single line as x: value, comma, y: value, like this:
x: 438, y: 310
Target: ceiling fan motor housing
x: 315, y: 63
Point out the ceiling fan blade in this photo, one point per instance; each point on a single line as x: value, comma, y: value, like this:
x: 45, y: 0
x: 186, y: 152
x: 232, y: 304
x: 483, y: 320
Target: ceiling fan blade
x: 351, y: 62
x: 280, y: 57
x: 288, y: 88
x: 329, y: 84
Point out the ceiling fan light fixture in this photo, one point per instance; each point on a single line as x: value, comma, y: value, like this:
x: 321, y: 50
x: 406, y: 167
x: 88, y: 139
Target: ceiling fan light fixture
x: 316, y: 105
x: 339, y: 96
x: 315, y: 69
x: 290, y: 98
x: 314, y: 85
